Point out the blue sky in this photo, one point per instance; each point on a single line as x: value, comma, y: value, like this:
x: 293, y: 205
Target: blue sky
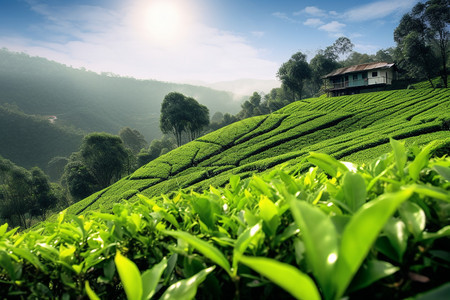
x: 190, y: 40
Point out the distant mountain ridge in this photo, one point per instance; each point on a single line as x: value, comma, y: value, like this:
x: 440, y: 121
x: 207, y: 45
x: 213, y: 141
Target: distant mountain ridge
x: 91, y: 101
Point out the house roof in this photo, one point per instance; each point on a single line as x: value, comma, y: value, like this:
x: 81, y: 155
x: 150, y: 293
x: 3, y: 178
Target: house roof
x: 358, y: 68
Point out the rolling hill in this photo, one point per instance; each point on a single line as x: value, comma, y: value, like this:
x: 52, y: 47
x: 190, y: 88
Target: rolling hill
x: 30, y: 140
x: 355, y: 128
x: 91, y: 101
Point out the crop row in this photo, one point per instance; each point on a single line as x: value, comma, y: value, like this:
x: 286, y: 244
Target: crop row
x: 340, y: 126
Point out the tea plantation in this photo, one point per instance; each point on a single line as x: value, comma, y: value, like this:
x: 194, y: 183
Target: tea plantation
x: 355, y: 128
x: 266, y: 208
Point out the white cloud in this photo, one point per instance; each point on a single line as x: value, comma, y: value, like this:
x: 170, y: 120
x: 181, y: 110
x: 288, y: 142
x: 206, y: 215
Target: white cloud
x: 116, y: 41
x: 284, y: 16
x: 312, y: 11
x: 378, y: 10
x: 332, y: 27
x: 313, y: 22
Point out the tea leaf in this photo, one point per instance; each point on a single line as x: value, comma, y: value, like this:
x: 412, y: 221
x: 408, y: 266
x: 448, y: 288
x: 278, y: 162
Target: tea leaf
x: 150, y: 279
x: 354, y: 187
x: 360, y: 234
x: 414, y: 217
x: 420, y: 161
x: 91, y: 294
x: 320, y: 238
x: 298, y: 284
x: 203, y: 247
x: 399, y: 154
x: 370, y: 272
x: 130, y: 276
x: 327, y: 163
x: 187, y: 288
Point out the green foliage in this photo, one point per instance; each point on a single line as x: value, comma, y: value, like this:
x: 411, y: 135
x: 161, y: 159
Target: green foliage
x: 272, y: 235
x: 181, y: 114
x: 30, y: 140
x: 355, y: 128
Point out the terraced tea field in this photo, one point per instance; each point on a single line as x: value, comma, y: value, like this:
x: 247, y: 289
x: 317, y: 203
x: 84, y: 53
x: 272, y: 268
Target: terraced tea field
x: 356, y: 127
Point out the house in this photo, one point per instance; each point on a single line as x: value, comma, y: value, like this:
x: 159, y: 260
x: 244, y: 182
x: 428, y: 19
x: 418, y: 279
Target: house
x: 360, y: 78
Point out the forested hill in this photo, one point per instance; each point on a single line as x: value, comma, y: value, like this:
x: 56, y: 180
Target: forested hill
x: 31, y: 141
x: 355, y: 128
x: 94, y: 102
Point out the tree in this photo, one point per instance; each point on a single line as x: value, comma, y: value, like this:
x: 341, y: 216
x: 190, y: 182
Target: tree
x: 16, y: 195
x: 157, y: 148
x: 42, y: 193
x: 180, y: 114
x: 78, y: 180
x: 293, y: 73
x: 419, y: 32
x: 132, y: 139
x: 342, y: 46
x: 105, y: 157
x: 321, y: 65
x: 198, y: 118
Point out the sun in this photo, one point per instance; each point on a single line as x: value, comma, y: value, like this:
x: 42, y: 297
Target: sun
x: 164, y: 20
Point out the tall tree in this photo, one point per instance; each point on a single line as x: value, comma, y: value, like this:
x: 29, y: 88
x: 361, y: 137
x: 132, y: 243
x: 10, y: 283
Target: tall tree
x: 180, y: 114
x: 421, y: 30
x: 293, y: 73
x: 105, y: 156
x: 132, y: 139
x: 198, y: 118
x: 43, y: 195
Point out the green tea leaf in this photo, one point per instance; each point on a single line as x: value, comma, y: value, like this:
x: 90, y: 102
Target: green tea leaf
x: 399, y: 154
x: 414, y: 218
x: 327, y: 163
x: 91, y: 294
x: 420, y: 161
x: 268, y: 211
x: 243, y: 241
x: 370, y: 272
x: 298, y: 284
x: 360, y: 234
x: 203, y: 247
x: 3, y: 229
x: 433, y: 192
x: 130, y: 276
x: 320, y: 238
x: 187, y: 288
x: 6, y: 264
x: 150, y: 279
x: 395, y: 231
x: 443, y: 171
x: 354, y: 187
x: 444, y: 231
x: 234, y: 182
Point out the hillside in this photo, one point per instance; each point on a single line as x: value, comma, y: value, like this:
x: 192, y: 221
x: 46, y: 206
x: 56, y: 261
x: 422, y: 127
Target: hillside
x: 30, y: 141
x: 94, y: 102
x: 354, y: 127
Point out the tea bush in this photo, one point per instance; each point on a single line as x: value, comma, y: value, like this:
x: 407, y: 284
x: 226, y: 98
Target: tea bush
x: 378, y: 230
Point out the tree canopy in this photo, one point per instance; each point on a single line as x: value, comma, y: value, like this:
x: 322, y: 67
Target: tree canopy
x: 422, y: 39
x: 181, y: 114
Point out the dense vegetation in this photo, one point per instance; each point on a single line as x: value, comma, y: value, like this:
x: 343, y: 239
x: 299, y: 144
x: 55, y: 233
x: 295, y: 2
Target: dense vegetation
x: 32, y: 140
x: 378, y: 230
x: 349, y: 127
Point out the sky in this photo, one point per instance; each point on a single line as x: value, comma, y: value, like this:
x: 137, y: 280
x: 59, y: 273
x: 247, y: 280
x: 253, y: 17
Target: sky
x: 193, y: 40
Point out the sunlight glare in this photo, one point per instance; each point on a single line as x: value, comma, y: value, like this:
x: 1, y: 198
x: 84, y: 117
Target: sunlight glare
x: 164, y: 20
